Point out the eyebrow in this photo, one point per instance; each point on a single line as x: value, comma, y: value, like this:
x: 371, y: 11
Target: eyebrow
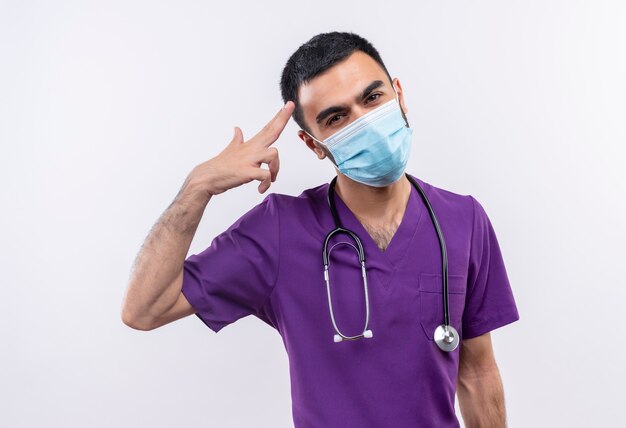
x: 364, y: 94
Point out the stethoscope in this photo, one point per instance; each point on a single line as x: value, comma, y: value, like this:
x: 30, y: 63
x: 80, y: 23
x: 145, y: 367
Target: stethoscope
x: 446, y: 336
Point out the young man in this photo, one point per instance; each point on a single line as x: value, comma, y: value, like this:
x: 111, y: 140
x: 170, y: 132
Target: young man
x: 268, y: 263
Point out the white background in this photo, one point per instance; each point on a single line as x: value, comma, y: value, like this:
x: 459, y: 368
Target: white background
x: 106, y: 106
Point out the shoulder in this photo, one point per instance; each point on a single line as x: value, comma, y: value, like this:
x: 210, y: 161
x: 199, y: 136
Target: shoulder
x: 307, y: 211
x: 447, y: 200
x: 309, y: 200
x: 454, y: 211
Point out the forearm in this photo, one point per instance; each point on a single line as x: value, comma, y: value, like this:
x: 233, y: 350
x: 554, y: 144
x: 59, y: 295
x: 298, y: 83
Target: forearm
x: 481, y: 398
x: 152, y: 287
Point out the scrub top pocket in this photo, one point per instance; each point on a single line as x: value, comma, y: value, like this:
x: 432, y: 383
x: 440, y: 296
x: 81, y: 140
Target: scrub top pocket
x: 431, y: 301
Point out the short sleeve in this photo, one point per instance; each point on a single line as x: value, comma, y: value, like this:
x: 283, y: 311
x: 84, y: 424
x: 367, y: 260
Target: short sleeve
x: 489, y: 301
x: 236, y: 274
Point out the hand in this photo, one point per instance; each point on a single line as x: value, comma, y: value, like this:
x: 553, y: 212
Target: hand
x: 240, y: 162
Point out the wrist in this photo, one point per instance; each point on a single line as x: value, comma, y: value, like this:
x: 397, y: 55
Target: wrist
x: 194, y: 192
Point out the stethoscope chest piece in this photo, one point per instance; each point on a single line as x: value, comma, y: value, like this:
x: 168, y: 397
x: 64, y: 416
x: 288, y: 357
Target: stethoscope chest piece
x: 446, y: 337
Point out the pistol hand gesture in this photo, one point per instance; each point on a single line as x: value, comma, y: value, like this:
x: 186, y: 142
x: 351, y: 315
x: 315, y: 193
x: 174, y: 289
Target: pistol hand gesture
x: 240, y: 161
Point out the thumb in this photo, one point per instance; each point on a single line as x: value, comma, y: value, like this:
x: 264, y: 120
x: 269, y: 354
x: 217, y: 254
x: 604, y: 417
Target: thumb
x: 237, y: 137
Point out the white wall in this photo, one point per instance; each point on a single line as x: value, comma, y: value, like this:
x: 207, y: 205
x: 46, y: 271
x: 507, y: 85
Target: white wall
x: 106, y: 106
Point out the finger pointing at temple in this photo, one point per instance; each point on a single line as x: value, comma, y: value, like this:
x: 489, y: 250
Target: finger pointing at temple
x: 272, y: 130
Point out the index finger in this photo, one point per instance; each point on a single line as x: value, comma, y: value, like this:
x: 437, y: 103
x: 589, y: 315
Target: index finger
x: 271, y: 131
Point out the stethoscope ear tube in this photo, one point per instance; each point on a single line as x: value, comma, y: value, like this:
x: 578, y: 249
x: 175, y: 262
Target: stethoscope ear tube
x: 445, y: 336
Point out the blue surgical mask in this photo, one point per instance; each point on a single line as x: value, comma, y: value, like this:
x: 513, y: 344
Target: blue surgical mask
x: 373, y: 149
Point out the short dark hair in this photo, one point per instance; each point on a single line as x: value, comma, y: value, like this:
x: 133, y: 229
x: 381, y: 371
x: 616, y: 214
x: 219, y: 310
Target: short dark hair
x: 316, y: 56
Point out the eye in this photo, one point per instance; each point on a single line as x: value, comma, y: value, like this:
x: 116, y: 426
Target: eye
x: 373, y: 97
x: 333, y: 119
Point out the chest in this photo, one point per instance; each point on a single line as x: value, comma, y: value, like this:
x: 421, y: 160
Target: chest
x: 381, y: 234
x: 396, y: 254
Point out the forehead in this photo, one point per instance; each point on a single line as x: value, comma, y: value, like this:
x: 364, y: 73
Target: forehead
x: 339, y: 84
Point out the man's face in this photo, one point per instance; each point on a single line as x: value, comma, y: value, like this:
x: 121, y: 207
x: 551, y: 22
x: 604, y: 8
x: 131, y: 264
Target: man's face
x: 341, y: 95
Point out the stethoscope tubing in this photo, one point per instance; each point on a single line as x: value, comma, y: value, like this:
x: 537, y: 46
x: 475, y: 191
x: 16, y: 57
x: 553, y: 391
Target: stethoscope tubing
x: 442, y: 246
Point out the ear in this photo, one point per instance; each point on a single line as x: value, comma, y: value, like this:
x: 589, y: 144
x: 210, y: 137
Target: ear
x: 398, y: 87
x: 311, y: 144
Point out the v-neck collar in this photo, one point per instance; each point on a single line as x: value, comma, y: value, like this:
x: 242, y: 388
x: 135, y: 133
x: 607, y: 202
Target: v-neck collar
x: 399, y: 246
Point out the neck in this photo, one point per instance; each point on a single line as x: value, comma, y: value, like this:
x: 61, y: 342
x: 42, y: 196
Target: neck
x: 374, y: 204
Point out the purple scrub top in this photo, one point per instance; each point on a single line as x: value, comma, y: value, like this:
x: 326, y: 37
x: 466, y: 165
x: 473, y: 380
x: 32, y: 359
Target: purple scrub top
x: 268, y: 263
